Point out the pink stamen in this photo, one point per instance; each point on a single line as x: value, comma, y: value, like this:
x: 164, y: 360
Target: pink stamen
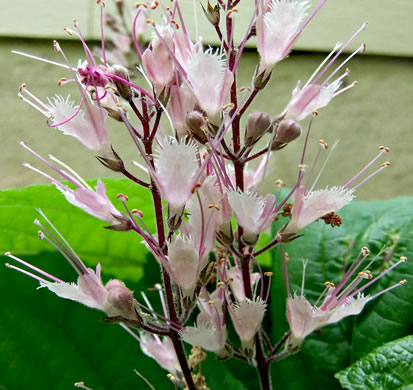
x: 38, y: 270
x: 384, y: 165
x: 338, y: 54
x: 102, y: 37
x: 26, y: 273
x: 382, y: 151
x: 285, y: 269
x: 402, y: 260
x: 133, y: 334
x: 60, y: 172
x: 72, y: 251
x: 135, y: 41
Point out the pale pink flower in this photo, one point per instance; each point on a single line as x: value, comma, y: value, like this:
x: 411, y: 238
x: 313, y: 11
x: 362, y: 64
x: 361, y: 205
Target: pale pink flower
x: 347, y: 299
x: 309, y: 99
x: 95, y: 203
x: 247, y: 316
x: 176, y: 167
x: 183, y: 263
x: 309, y: 206
x: 253, y: 212
x: 161, y: 350
x: 210, y: 332
x: 211, y: 81
x: 114, y: 298
x: 89, y: 126
x: 277, y: 28
x: 157, y: 60
x: 91, y: 292
x: 181, y: 102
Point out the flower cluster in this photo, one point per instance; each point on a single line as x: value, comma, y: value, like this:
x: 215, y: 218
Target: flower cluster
x: 204, y: 176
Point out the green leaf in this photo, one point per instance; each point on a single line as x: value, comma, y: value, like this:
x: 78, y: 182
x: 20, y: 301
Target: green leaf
x: 120, y: 253
x: 388, y: 367
x: 328, y: 251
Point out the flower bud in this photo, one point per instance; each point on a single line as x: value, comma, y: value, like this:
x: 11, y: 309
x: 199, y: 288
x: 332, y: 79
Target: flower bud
x: 121, y: 298
x: 261, y: 79
x: 123, y: 89
x: 258, y: 123
x: 288, y: 130
x: 212, y: 13
x: 196, y: 123
x: 115, y: 164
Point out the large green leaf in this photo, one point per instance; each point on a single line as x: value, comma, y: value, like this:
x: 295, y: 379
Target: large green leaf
x: 372, y: 224
x: 389, y: 367
x: 119, y: 253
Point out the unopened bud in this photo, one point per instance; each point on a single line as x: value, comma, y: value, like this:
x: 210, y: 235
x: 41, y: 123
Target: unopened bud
x: 212, y: 13
x: 261, y: 79
x: 123, y: 89
x: 121, y: 298
x: 288, y: 130
x: 115, y: 164
x: 197, y: 124
x: 258, y: 123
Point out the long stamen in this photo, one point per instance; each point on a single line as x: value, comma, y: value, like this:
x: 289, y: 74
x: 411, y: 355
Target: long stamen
x: 339, y: 92
x: 76, y: 257
x: 52, y: 179
x: 383, y: 149
x: 336, y: 47
x: 361, y: 49
x: 45, y: 113
x: 402, y: 260
x: 327, y: 285
x: 43, y: 60
x: 323, y: 146
x: 389, y: 289
x: 133, y: 334
x: 72, y: 171
x: 324, y: 165
x: 38, y: 270
x: 343, y: 47
x: 42, y: 236
x: 284, y: 261
x: 26, y: 272
x: 34, y: 97
x: 303, y: 277
x: 102, y: 37
x: 61, y: 173
x: 382, y: 166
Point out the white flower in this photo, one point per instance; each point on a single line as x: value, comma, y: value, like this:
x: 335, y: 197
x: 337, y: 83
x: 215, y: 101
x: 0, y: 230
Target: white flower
x: 247, y: 316
x: 88, y: 127
x: 176, y: 167
x: 211, y: 81
x: 162, y: 351
x: 277, y: 30
x: 253, y: 212
x: 183, y: 263
x: 310, y: 206
x: 309, y: 99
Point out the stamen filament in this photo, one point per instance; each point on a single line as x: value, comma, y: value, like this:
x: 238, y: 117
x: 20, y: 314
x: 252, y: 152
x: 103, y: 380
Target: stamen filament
x: 26, y: 273
x: 38, y: 270
x: 366, y: 167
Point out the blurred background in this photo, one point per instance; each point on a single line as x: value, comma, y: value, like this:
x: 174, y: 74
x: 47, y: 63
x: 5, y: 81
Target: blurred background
x: 379, y: 111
